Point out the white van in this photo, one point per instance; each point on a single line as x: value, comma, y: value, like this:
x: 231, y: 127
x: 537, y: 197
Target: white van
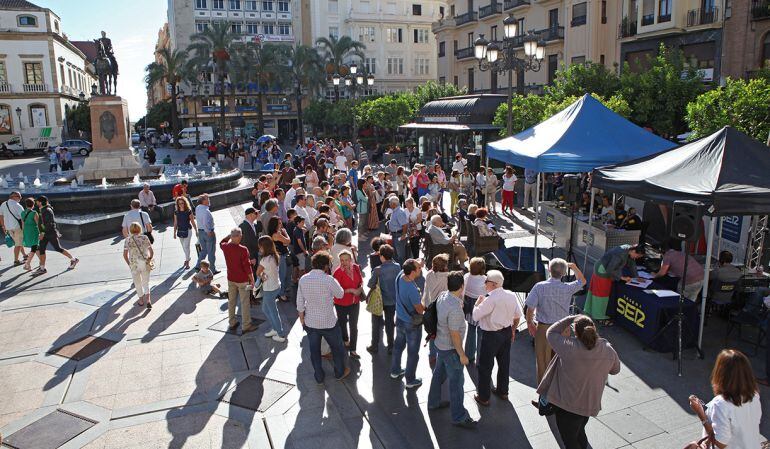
x: 187, y: 135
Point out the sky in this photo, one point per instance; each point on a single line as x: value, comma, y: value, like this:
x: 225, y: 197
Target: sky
x: 132, y: 25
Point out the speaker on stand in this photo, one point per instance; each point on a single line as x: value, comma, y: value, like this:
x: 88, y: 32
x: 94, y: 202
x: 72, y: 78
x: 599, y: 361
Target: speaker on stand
x: 474, y: 162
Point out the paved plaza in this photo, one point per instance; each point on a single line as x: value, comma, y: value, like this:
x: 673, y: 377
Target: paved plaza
x: 173, y: 376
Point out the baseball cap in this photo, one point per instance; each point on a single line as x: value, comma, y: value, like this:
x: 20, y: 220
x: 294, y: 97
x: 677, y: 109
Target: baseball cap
x: 495, y: 276
x: 250, y: 210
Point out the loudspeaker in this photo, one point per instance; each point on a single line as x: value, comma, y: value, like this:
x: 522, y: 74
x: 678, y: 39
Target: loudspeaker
x: 474, y: 162
x: 570, y: 188
x: 686, y: 218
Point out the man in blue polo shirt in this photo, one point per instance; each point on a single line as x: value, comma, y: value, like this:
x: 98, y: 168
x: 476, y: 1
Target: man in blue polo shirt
x: 397, y: 226
x: 408, y: 335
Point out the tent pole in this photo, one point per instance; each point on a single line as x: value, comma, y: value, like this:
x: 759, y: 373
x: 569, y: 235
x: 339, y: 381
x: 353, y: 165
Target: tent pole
x: 537, y: 218
x: 719, y: 242
x: 707, y: 270
x: 590, y: 224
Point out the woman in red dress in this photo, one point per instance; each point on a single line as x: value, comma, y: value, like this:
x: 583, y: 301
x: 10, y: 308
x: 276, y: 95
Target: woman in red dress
x: 349, y: 276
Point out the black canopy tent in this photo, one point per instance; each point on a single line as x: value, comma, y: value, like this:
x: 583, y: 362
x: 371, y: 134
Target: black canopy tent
x: 726, y: 171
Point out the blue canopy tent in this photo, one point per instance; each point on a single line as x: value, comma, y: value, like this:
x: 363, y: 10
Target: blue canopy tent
x: 583, y: 136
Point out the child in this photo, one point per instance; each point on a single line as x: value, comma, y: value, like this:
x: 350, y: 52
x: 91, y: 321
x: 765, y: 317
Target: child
x: 434, y: 190
x: 203, y: 280
x: 299, y: 244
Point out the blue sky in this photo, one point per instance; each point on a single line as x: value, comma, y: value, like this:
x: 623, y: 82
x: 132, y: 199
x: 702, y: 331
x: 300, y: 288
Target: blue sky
x: 133, y: 27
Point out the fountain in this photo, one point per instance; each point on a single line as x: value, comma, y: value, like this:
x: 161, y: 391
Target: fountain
x: 135, y: 180
x: 179, y: 173
x: 21, y: 185
x: 58, y: 169
x: 21, y: 175
x: 213, y: 170
x: 3, y: 183
x: 162, y: 177
x: 8, y: 177
x: 74, y: 184
x: 104, y: 183
x: 186, y: 176
x: 195, y: 170
x: 37, y: 183
x: 26, y: 181
x: 37, y: 173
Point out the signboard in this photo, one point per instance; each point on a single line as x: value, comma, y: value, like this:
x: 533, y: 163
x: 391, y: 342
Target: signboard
x: 5, y: 120
x: 550, y: 219
x: 440, y: 119
x: 731, y: 228
x: 588, y: 238
x: 38, y: 117
x: 278, y: 107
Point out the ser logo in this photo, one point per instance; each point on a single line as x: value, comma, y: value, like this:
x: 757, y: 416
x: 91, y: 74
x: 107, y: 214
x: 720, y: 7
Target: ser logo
x: 631, y: 311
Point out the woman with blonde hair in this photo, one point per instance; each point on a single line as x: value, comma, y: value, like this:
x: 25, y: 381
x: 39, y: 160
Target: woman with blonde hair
x: 138, y: 254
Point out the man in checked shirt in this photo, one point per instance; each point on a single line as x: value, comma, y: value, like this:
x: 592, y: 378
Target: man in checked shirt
x: 315, y: 303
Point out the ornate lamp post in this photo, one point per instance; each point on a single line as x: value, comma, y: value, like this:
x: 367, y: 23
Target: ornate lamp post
x: 352, y: 83
x: 21, y: 128
x: 492, y: 57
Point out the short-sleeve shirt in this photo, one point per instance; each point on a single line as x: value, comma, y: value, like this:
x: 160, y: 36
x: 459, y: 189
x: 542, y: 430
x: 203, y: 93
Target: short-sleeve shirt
x: 735, y: 426
x: 675, y: 260
x: 136, y: 215
x: 407, y: 296
x: 449, y: 309
x: 509, y: 182
x: 551, y: 299
x: 270, y: 267
x: 11, y: 211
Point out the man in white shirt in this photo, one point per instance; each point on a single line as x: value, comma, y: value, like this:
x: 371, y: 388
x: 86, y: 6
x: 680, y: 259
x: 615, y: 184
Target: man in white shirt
x: 498, y: 314
x: 136, y: 214
x: 11, y: 222
x: 299, y: 206
x: 291, y: 193
x: 147, y: 200
x: 341, y: 162
x: 460, y: 163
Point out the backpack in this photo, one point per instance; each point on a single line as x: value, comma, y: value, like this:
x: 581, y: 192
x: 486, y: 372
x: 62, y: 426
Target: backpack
x: 430, y: 321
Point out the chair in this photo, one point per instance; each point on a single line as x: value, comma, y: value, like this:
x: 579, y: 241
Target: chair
x: 482, y: 245
x: 721, y: 296
x: 431, y: 250
x: 753, y: 314
x: 468, y: 225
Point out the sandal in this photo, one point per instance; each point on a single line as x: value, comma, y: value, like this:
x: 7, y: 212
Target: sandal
x: 606, y: 323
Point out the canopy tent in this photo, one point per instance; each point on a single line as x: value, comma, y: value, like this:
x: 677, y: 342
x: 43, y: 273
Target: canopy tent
x: 580, y: 138
x: 726, y: 171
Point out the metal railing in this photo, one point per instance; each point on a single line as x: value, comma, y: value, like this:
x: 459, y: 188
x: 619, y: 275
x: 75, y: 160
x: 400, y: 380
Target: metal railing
x: 664, y: 18
x: 464, y: 53
x: 35, y: 87
x: 468, y: 17
x: 5, y: 88
x: 702, y: 16
x: 648, y: 19
x: 627, y: 28
x: 510, y: 4
x: 490, y: 9
x: 553, y: 33
x: 760, y: 9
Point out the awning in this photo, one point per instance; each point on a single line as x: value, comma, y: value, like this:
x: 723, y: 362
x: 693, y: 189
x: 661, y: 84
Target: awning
x: 449, y: 127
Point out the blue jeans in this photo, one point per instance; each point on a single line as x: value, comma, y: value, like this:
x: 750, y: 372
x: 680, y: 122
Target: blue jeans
x: 448, y: 367
x: 472, y: 341
x: 208, y: 249
x: 400, y: 247
x: 333, y: 337
x: 284, y: 273
x: 270, y: 309
x: 432, y: 349
x: 407, y: 336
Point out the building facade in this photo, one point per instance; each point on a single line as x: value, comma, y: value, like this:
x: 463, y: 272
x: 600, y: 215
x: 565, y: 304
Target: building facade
x: 157, y: 92
x: 400, y: 47
x: 746, y: 38
x: 42, y: 75
x: 572, y: 31
x: 256, y: 21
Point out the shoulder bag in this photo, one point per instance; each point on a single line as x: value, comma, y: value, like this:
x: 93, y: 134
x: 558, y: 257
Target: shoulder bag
x: 415, y: 318
x: 150, y: 263
x: 148, y: 234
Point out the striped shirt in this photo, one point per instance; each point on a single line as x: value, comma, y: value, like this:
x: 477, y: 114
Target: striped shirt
x: 551, y: 299
x: 315, y: 297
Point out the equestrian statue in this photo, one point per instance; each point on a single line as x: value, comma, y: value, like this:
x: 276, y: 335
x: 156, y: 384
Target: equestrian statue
x: 106, y: 66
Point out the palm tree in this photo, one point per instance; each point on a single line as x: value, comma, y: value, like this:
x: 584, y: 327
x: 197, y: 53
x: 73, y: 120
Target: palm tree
x: 305, y: 71
x: 217, y: 43
x: 172, y: 69
x: 263, y: 65
x: 337, y: 50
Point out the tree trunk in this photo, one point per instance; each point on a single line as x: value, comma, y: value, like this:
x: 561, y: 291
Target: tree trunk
x: 300, y: 125
x: 174, y: 115
x: 221, y: 103
x: 260, y: 113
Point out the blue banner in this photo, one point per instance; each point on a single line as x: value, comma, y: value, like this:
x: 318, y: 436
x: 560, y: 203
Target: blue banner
x: 731, y: 228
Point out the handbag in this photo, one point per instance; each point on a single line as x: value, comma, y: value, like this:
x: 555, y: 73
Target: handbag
x: 150, y: 263
x: 9, y: 241
x: 148, y: 234
x: 374, y: 301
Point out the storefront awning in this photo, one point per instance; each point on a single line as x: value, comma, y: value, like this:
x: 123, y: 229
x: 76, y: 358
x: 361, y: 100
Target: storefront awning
x: 449, y: 127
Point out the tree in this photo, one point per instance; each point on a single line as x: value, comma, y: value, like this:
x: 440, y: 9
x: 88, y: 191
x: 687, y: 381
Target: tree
x: 172, y: 69
x: 317, y: 114
x: 527, y: 111
x: 158, y: 113
x: 616, y: 103
x: 216, y: 44
x: 306, y: 72
x: 659, y: 96
x: 744, y: 105
x: 79, y: 119
x: 433, y: 91
x: 337, y: 50
x: 260, y: 64
x: 576, y: 80
x: 390, y: 112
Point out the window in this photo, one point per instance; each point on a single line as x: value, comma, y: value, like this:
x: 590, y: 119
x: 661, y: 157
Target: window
x: 395, y: 66
x: 235, y: 4
x: 268, y: 28
x: 33, y: 73
x: 201, y: 26
x: 553, y: 64
x: 578, y: 60
x: 520, y: 26
x: 471, y: 80
x: 27, y: 21
x: 333, y: 7
x: 61, y: 72
x: 334, y: 32
x: 454, y: 47
x: 283, y: 6
x: 470, y: 40
x: 764, y: 63
x: 601, y: 59
x: 218, y: 4
x: 421, y: 36
x: 664, y: 10
x: 200, y: 4
x: 236, y: 27
x: 421, y: 66
x: 394, y: 35
x: 456, y: 81
x: 251, y: 5
x: 284, y: 29
x: 3, y: 73
x: 416, y: 10
x: 38, y: 115
x: 578, y: 14
x: 69, y: 73
x: 366, y: 34
x: 56, y: 25
x: 553, y: 18
x: 370, y: 65
x: 267, y: 6
x: 604, y: 11
x: 252, y: 28
x: 493, y: 32
x: 441, y: 49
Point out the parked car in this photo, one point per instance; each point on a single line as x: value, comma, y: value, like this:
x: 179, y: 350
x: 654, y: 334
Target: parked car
x: 77, y: 146
x: 135, y: 139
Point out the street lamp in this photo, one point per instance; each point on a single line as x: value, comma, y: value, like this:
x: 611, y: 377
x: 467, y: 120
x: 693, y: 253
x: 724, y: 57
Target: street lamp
x: 21, y: 128
x: 491, y: 56
x: 82, y: 97
x: 353, y: 82
x: 336, y: 81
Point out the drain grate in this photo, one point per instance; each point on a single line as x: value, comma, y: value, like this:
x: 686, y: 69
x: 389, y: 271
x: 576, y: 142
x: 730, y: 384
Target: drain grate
x: 49, y: 432
x: 256, y: 393
x: 83, y: 348
x: 222, y: 326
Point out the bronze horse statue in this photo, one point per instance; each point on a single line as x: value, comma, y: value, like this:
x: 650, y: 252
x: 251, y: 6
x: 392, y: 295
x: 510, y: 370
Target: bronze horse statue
x: 106, y: 69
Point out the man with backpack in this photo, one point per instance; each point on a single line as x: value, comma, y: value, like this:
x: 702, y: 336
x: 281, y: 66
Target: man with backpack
x: 451, y: 360
x: 409, y: 311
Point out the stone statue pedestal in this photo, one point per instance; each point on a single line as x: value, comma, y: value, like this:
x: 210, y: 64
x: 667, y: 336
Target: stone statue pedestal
x: 111, y: 157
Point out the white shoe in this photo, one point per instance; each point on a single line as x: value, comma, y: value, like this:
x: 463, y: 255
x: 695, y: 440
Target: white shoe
x: 278, y: 338
x: 272, y: 333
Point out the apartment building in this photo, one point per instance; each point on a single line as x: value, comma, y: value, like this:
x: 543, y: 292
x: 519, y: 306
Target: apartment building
x: 158, y: 92
x: 400, y: 48
x: 572, y: 31
x: 276, y: 21
x: 746, y: 39
x: 42, y: 75
x: 694, y: 26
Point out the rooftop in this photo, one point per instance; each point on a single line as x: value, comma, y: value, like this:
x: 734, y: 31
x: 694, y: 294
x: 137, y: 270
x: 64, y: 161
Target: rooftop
x: 18, y: 4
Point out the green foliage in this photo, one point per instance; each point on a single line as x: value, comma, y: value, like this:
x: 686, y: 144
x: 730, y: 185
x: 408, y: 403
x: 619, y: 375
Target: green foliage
x: 526, y: 111
x: 616, y: 103
x: 576, y: 80
x: 317, y: 113
x: 391, y: 111
x: 659, y: 96
x: 337, y: 50
x: 433, y: 91
x: 744, y: 105
x: 79, y: 119
x: 158, y: 113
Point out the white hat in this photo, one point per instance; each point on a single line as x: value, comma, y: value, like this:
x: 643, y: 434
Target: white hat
x: 495, y: 277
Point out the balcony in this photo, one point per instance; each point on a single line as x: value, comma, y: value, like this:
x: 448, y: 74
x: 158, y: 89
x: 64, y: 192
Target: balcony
x: 510, y: 4
x: 697, y: 17
x: 760, y: 9
x: 490, y: 10
x: 627, y: 27
x: 648, y: 19
x: 464, y: 53
x: 442, y: 24
x: 466, y: 18
x: 33, y: 88
x: 5, y: 88
x: 553, y: 33
x: 664, y: 18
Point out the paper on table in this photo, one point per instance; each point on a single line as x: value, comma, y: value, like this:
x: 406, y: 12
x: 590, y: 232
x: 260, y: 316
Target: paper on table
x: 645, y: 275
x: 663, y: 293
x: 641, y: 283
